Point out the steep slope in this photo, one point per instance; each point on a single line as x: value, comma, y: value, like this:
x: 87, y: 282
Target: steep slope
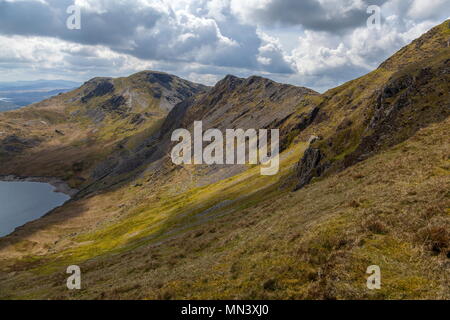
x: 17, y: 94
x: 66, y: 135
x: 224, y: 242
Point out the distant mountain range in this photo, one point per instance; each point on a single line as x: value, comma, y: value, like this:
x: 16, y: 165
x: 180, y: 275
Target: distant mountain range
x: 17, y: 94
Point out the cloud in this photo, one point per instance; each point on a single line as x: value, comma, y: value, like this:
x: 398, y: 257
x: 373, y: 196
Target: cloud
x: 326, y: 59
x: 318, y: 15
x: 314, y: 43
x: 22, y: 56
x: 431, y: 9
x: 150, y: 30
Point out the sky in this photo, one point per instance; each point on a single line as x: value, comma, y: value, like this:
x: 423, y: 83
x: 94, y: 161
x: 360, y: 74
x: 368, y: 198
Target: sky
x: 318, y: 44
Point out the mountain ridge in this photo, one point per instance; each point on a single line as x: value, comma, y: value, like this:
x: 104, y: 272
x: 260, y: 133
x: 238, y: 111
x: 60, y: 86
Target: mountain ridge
x: 391, y: 109
x: 102, y: 111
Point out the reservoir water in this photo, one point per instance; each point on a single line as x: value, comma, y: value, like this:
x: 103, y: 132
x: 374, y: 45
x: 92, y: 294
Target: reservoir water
x: 22, y: 202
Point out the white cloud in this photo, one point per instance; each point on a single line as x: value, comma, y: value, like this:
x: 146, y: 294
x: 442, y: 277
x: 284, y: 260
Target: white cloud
x: 54, y: 58
x: 316, y: 43
x: 342, y: 57
x: 430, y: 9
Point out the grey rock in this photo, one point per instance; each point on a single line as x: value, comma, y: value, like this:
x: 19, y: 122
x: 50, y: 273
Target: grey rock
x: 309, y: 167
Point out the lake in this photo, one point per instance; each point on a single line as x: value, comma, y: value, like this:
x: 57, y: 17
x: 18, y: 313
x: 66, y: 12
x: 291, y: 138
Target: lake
x: 22, y: 202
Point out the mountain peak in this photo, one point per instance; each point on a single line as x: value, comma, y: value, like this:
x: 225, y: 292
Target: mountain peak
x: 382, y: 109
x: 230, y: 82
x: 97, y: 80
x: 230, y: 77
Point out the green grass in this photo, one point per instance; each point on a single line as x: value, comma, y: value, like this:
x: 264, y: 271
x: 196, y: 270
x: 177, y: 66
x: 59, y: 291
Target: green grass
x: 249, y: 236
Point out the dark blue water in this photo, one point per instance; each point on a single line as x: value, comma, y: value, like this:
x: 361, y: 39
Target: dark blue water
x: 21, y: 202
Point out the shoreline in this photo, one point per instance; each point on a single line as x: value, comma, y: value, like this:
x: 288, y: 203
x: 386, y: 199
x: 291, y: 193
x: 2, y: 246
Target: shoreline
x: 59, y: 185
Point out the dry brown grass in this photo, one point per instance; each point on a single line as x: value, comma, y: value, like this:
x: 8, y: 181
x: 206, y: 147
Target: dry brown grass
x: 391, y: 210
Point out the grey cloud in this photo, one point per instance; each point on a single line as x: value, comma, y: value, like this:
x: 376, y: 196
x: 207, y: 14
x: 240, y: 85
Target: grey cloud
x: 114, y: 28
x: 198, y: 42
x: 314, y: 15
x: 146, y: 33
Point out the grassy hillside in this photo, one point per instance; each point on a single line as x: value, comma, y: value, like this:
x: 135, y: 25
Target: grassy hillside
x: 221, y: 242
x: 373, y: 113
x: 372, y: 189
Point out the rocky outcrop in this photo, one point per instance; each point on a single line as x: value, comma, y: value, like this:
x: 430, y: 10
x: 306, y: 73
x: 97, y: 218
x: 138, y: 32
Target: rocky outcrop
x: 411, y: 96
x: 102, y: 86
x: 233, y: 102
x: 15, y: 144
x: 116, y: 104
x: 145, y: 91
x: 168, y: 89
x: 309, y: 167
x: 305, y: 119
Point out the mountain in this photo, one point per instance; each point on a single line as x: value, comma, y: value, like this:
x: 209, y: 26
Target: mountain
x: 363, y: 181
x: 371, y: 114
x: 71, y: 132
x: 232, y: 103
